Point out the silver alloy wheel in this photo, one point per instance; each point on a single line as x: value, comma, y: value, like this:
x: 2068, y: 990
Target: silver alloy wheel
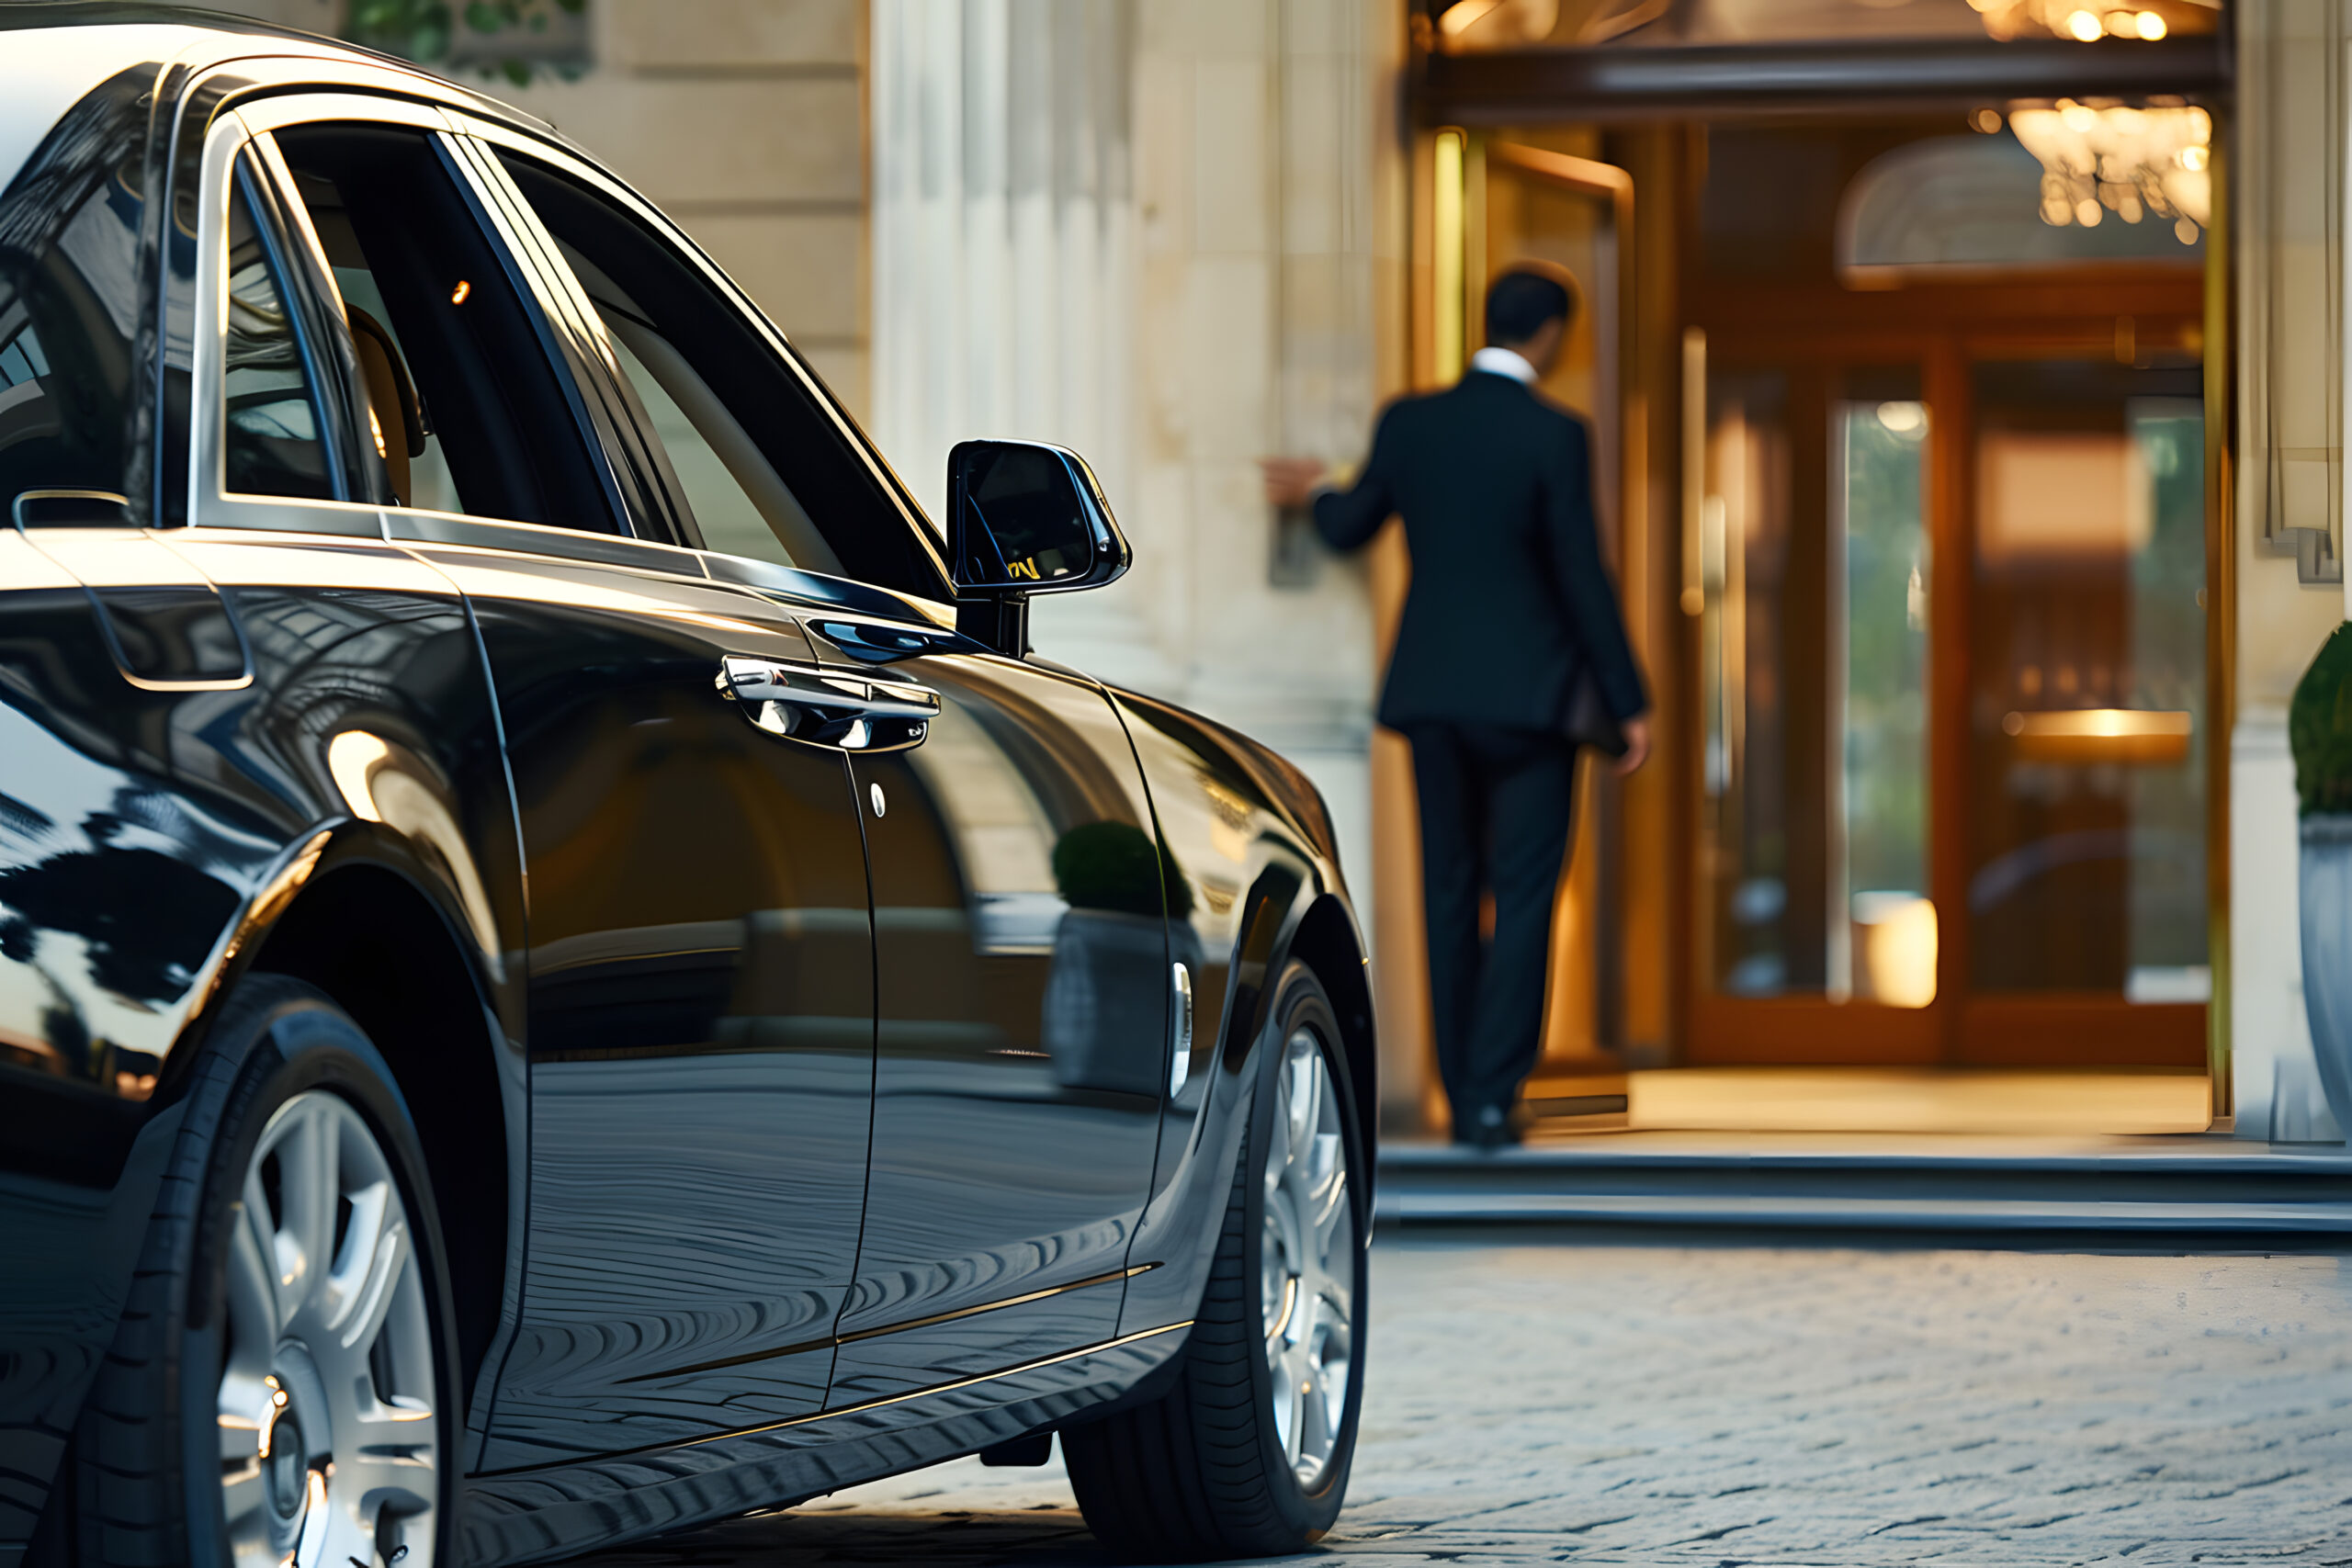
x: 1307, y: 1266
x: 328, y: 1447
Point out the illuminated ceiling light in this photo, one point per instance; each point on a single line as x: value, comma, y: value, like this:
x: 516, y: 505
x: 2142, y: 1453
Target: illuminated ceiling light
x: 457, y: 295
x: 2082, y: 20
x: 1987, y: 121
x: 1902, y: 418
x: 2132, y: 161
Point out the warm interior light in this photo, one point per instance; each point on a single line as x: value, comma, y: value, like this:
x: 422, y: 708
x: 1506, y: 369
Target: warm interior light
x: 2083, y: 25
x: 377, y: 430
x: 2151, y: 25
x: 1902, y: 418
x: 2130, y: 161
x: 1987, y: 121
x: 1897, y: 932
x: 1464, y: 15
x: 2100, y: 735
x: 457, y: 295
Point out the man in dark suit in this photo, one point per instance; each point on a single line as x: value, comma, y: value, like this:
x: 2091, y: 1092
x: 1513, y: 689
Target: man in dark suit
x: 1508, y: 615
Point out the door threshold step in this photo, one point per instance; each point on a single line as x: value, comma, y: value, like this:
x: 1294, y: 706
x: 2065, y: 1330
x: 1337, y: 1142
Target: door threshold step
x: 2213, y: 1184
x: 1716, y: 1211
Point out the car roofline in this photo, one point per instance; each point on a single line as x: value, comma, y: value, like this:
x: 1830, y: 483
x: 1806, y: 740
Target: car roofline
x: 222, y: 39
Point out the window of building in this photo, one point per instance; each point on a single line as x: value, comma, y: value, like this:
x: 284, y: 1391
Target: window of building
x: 1974, y: 202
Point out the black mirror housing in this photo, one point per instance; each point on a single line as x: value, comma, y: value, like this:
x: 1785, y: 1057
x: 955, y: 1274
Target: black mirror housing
x: 1025, y: 517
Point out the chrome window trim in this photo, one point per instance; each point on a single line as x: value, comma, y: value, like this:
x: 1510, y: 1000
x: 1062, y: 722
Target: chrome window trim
x: 210, y: 502
x: 415, y: 525
x: 254, y: 122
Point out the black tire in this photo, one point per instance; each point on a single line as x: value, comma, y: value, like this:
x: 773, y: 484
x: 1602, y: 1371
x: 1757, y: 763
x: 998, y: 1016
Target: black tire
x: 149, y: 1443
x: 1201, y: 1473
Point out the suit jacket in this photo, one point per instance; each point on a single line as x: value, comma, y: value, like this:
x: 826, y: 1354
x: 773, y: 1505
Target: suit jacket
x: 1509, y: 603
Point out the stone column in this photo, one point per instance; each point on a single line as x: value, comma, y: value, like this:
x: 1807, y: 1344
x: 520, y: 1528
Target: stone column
x: 1002, y: 230
x: 2287, y: 168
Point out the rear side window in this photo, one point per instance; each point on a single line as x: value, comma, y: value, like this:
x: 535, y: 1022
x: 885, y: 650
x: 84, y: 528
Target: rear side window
x: 69, y: 298
x: 271, y: 444
x: 466, y: 407
x: 748, y: 439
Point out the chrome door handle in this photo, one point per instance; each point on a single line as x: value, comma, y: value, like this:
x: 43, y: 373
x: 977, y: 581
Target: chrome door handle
x: 828, y: 707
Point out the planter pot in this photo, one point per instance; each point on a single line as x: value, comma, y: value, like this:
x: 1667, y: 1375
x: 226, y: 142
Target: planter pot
x: 1105, y: 1022
x: 2326, y: 907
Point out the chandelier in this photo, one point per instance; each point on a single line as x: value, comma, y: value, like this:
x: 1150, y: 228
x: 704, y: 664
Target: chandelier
x: 2134, y: 163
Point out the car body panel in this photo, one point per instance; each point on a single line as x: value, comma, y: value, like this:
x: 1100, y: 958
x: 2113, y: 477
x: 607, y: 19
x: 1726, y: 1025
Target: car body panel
x: 1021, y: 1053
x: 701, y: 1012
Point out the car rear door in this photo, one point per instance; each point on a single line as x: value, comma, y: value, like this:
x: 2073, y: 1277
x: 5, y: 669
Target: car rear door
x: 1021, y: 965
x: 700, y: 998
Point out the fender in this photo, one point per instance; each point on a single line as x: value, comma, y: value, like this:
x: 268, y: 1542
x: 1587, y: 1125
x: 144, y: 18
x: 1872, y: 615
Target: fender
x: 1252, y: 883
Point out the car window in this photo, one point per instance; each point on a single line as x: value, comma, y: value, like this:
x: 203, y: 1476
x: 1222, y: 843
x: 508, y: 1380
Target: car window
x: 270, y: 439
x: 70, y: 299
x: 745, y: 435
x: 734, y: 497
x: 468, y: 410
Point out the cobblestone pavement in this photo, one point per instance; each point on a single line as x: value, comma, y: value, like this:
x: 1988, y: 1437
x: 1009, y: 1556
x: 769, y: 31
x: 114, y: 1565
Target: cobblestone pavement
x: 1583, y: 1401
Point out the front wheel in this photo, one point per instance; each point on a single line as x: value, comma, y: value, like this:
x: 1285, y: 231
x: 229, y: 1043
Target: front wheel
x: 281, y: 1388
x: 1248, y: 1454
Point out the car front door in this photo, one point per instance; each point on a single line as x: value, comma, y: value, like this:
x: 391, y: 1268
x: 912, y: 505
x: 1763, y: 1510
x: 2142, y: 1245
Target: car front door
x: 700, y: 996
x: 1021, y: 946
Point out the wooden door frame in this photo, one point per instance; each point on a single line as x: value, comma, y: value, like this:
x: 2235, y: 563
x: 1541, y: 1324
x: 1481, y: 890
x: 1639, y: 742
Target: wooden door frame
x: 1945, y: 330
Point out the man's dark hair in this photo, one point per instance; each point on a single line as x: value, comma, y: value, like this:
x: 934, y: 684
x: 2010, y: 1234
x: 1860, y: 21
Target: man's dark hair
x: 1521, y: 301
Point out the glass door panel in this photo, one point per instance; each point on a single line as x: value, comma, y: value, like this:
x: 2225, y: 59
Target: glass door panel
x: 2086, y: 799
x: 1763, y: 909
x: 1879, y: 821
x: 1813, y: 657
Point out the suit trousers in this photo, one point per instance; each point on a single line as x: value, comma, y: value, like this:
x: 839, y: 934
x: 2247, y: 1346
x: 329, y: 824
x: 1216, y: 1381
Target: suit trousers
x: 1497, y: 806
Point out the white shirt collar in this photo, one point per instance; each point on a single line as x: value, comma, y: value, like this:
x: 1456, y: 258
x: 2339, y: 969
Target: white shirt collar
x: 1503, y: 362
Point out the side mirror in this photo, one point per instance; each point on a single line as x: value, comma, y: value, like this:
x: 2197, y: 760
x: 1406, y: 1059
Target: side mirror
x: 1024, y: 518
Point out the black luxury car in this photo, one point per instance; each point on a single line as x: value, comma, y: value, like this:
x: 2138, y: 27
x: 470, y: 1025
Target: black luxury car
x: 564, y: 970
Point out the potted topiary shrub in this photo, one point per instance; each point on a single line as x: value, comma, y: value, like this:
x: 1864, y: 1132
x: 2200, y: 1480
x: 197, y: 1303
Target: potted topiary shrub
x: 2319, y: 730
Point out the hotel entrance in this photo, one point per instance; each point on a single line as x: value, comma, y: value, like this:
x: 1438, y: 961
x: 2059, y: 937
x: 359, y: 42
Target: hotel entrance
x: 1949, y: 569
x: 1915, y: 427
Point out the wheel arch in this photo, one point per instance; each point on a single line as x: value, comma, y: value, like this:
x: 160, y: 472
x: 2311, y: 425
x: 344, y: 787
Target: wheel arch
x: 1292, y: 913
x: 1326, y: 941
x: 365, y: 929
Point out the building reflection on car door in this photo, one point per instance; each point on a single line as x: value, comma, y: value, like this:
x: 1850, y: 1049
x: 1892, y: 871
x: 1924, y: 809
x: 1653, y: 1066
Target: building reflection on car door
x: 700, y: 998
x: 1022, y: 990
x: 1021, y: 962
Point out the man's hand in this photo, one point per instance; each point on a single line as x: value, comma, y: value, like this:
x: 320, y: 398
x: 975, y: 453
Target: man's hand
x: 1291, y: 482
x: 1637, y: 745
